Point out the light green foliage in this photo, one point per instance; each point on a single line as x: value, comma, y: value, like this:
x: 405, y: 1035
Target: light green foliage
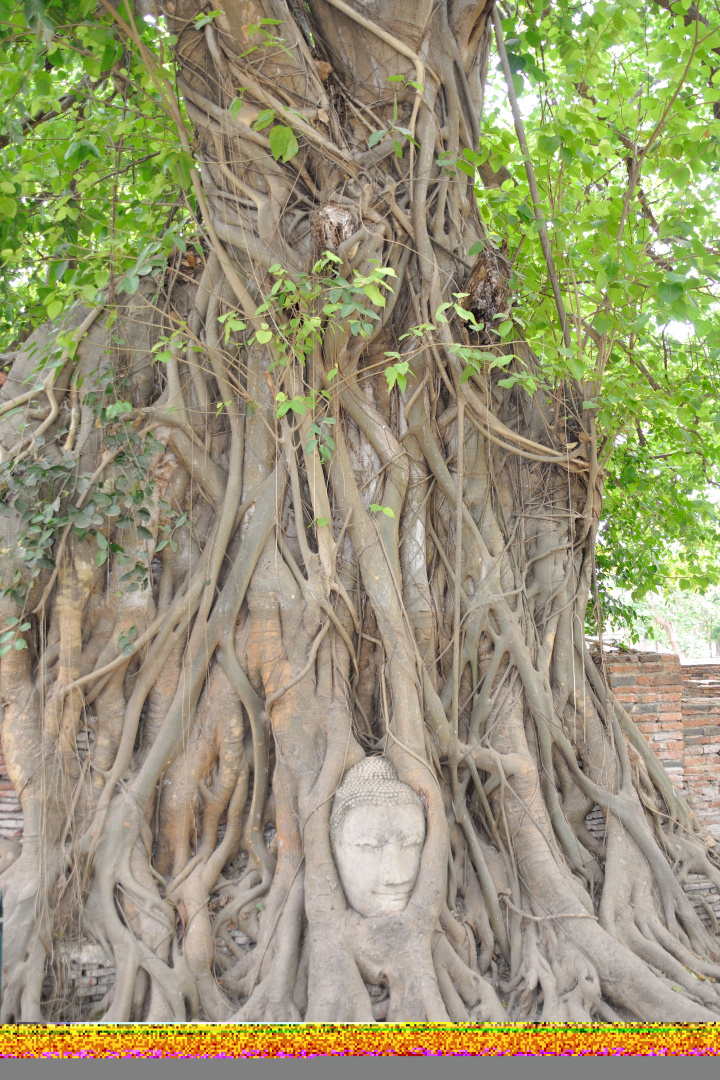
x: 283, y: 143
x: 265, y: 38
x: 300, y: 308
x: 232, y: 325
x: 695, y: 619
x: 205, y: 18
x: 602, y: 86
x: 395, y: 131
x: 321, y: 440
x: 300, y: 404
x: 90, y: 168
x: 96, y: 198
x: 53, y: 496
x: 126, y: 639
x: 397, y: 373
x: 10, y: 638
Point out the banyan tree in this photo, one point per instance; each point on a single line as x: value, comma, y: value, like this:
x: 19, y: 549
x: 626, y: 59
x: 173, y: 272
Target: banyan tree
x: 306, y: 497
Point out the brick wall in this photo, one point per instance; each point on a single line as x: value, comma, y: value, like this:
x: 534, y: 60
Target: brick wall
x: 678, y: 711
x: 649, y: 685
x: 11, y: 822
x: 701, y: 729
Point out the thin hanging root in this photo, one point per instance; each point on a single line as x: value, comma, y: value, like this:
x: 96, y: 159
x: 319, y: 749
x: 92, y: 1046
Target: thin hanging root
x: 271, y: 991
x: 458, y: 981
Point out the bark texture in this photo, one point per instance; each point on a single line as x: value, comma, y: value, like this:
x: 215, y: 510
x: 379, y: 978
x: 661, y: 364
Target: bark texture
x: 289, y: 629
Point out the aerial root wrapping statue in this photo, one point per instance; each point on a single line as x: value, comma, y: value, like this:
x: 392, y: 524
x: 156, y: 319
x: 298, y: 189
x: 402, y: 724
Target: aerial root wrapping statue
x: 377, y: 829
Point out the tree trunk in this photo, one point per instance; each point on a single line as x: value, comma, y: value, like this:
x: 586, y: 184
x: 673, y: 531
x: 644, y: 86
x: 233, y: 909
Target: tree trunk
x: 356, y: 563
x: 669, y: 627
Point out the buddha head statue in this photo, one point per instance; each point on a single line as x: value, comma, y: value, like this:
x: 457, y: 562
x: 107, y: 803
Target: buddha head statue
x: 377, y: 830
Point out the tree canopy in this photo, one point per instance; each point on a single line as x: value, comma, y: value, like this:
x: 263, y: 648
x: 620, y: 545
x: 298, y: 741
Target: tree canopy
x: 620, y: 106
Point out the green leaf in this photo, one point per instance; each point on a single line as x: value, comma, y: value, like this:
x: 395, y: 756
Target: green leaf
x: 602, y: 324
x: 180, y: 165
x: 283, y: 144
x: 549, y: 143
x: 205, y: 17
x: 265, y: 119
x: 81, y: 150
x: 374, y: 295
x: 235, y: 107
x: 8, y: 207
x: 375, y: 137
x: 396, y: 374
x: 130, y: 284
x: 669, y: 292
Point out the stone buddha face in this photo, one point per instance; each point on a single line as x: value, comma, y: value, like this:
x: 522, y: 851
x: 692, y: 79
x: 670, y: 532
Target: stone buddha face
x: 377, y: 828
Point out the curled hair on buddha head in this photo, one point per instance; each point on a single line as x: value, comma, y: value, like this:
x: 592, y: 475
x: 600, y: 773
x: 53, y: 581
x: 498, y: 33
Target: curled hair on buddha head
x: 372, y: 782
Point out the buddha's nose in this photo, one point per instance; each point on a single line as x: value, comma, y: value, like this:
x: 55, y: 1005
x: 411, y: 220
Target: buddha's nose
x: 393, y: 870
